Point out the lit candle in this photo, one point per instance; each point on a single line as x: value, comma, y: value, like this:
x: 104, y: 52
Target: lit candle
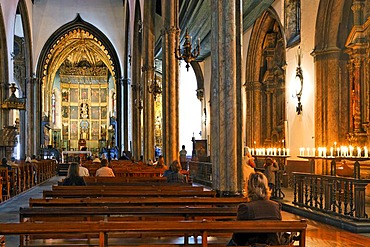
x: 308, y: 151
x: 301, y: 151
x: 324, y: 151
x: 279, y: 151
x: 351, y: 151
x: 275, y: 150
x: 284, y: 151
x: 358, y: 152
x: 366, y: 153
x: 287, y: 152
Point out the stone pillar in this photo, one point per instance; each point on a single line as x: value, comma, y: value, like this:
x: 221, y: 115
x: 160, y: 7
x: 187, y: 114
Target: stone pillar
x: 257, y: 113
x: 170, y: 87
x: 148, y: 68
x: 136, y: 92
x: 225, y: 144
x: 331, y: 90
x: 358, y: 11
x: 37, y: 101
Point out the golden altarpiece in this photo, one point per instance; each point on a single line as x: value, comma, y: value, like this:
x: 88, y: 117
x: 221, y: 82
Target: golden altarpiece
x: 84, y: 105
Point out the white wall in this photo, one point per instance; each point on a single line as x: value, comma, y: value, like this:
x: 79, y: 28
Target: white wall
x: 49, y: 15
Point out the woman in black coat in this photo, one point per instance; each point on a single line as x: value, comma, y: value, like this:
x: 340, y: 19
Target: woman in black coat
x: 73, y: 177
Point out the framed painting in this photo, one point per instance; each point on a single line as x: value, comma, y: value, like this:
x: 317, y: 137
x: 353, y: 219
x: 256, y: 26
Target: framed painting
x: 292, y: 22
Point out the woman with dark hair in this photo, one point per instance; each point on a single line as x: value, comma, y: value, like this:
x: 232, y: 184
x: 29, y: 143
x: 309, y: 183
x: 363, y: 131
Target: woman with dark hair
x: 258, y: 207
x: 73, y: 177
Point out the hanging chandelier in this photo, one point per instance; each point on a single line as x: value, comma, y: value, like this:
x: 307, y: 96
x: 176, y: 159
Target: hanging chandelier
x: 186, y: 52
x: 155, y: 88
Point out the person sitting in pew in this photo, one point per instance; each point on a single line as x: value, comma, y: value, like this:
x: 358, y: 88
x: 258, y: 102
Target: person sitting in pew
x: 73, y: 177
x: 259, y: 207
x: 173, y: 173
x: 104, y: 170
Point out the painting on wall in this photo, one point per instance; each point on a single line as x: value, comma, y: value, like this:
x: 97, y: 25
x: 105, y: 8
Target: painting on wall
x: 74, y: 95
x: 292, y: 22
x: 95, y: 95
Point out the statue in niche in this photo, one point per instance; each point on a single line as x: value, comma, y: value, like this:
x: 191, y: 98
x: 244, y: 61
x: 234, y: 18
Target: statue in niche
x: 84, y: 110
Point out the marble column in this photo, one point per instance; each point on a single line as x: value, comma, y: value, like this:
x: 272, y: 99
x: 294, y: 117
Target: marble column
x: 148, y: 49
x: 226, y: 151
x: 136, y: 93
x: 170, y: 84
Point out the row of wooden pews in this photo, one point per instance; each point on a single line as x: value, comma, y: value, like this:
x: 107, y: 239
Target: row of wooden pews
x: 24, y: 176
x: 158, y: 214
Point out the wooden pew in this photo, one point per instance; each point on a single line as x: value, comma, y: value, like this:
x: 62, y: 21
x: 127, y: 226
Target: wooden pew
x: 99, y: 192
x: 128, y: 187
x: 2, y: 241
x: 96, y: 213
x: 120, y: 180
x: 136, y: 201
x: 104, y: 230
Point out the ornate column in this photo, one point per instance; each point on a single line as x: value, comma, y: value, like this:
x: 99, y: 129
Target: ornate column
x: 170, y: 87
x: 148, y: 68
x: 225, y: 144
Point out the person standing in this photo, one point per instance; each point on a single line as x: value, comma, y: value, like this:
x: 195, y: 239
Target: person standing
x: 183, y: 161
x: 247, y: 168
x: 270, y: 169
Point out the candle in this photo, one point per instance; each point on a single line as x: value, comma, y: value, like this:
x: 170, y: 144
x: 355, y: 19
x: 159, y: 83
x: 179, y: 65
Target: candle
x: 308, y: 151
x: 366, y: 154
x: 358, y: 152
x: 287, y: 152
x: 284, y: 151
x: 314, y: 152
x: 301, y: 151
x: 279, y: 151
x: 351, y: 151
x: 275, y: 151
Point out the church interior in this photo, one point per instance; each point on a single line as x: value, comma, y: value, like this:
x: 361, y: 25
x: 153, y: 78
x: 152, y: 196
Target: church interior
x: 232, y: 81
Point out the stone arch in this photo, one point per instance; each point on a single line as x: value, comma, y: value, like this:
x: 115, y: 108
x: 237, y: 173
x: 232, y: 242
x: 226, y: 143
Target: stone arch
x: 27, y: 145
x: 199, y: 76
x: 265, y: 82
x: 54, y: 52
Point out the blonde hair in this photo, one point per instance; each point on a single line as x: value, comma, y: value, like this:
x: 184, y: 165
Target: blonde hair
x: 258, y: 187
x: 175, y: 166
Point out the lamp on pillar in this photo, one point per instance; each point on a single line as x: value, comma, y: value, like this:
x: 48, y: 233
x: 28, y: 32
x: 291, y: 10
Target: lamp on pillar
x: 13, y: 102
x: 298, y: 83
x: 186, y: 52
x: 154, y: 87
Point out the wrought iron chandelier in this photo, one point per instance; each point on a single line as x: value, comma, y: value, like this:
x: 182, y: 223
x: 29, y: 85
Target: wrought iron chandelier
x: 186, y: 52
x: 155, y: 88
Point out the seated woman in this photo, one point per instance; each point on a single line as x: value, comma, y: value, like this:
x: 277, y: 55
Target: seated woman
x: 73, y: 177
x: 259, y: 207
x: 173, y: 173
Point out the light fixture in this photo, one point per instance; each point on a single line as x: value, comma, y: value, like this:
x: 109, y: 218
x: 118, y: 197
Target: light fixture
x: 154, y: 87
x: 13, y: 102
x: 186, y: 52
x: 299, y: 82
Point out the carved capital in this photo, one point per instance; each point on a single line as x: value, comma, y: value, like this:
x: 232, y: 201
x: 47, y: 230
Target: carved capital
x: 200, y: 93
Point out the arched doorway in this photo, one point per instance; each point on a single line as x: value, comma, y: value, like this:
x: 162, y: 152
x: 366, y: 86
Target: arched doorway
x: 79, y: 76
x: 265, y: 83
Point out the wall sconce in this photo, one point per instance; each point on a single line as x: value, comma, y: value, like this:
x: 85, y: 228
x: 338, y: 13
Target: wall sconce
x: 298, y: 83
x: 13, y: 102
x: 154, y: 87
x: 185, y: 53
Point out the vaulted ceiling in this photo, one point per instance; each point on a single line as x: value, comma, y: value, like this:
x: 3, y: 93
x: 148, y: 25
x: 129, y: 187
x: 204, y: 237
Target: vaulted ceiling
x: 196, y: 15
